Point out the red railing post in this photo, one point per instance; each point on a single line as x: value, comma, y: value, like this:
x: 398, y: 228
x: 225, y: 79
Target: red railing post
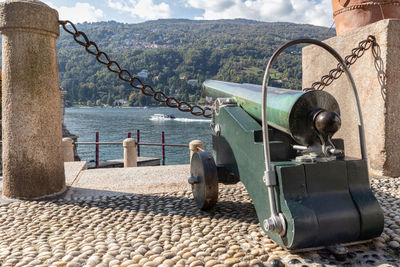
x: 138, y: 141
x: 97, y: 149
x: 163, y: 147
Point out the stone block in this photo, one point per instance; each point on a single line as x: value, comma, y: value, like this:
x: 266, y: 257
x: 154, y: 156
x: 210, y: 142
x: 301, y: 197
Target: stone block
x: 377, y: 79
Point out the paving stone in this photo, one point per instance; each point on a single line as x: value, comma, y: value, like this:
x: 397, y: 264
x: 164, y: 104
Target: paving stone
x: 129, y: 230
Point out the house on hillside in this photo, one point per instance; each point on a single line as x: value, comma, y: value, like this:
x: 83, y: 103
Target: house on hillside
x: 193, y: 82
x: 143, y: 73
x: 120, y: 102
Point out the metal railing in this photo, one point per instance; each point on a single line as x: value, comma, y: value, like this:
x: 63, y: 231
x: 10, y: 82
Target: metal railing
x: 97, y: 143
x: 120, y: 143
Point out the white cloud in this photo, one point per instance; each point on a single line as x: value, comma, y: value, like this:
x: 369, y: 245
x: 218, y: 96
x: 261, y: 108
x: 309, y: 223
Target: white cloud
x: 81, y: 12
x: 317, y: 12
x: 142, y: 9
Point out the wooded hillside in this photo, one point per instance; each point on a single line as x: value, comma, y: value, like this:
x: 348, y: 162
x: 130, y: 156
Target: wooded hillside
x: 175, y: 54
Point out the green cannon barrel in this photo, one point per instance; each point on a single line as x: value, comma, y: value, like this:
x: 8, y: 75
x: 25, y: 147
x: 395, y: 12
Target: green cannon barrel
x: 289, y: 111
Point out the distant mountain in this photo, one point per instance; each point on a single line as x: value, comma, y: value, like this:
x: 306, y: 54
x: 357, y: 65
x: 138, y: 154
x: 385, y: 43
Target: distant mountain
x: 170, y: 52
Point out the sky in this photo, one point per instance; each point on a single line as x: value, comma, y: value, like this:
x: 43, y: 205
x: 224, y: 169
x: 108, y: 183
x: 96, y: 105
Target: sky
x: 316, y: 12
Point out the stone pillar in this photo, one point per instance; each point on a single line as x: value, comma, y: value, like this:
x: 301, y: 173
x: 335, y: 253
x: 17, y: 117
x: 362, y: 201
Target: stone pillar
x: 68, y: 149
x: 195, y: 146
x: 32, y: 153
x: 130, y: 159
x: 379, y: 96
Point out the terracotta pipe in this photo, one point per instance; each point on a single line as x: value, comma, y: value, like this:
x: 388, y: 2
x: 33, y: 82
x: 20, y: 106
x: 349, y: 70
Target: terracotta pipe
x: 353, y: 14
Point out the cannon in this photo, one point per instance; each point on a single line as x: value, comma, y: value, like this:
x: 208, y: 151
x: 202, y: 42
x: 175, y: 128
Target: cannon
x: 305, y: 191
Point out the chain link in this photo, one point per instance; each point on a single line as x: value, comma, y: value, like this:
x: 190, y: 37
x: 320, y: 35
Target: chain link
x: 124, y: 75
x: 335, y: 73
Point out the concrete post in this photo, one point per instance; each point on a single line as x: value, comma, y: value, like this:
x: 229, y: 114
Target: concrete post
x: 68, y: 149
x: 378, y: 84
x: 32, y: 154
x: 195, y: 146
x: 130, y: 159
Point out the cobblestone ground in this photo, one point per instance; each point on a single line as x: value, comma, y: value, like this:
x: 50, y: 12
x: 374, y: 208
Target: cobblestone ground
x: 168, y: 230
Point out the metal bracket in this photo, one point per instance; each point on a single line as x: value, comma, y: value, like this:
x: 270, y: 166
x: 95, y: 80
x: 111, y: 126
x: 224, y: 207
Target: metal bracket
x: 270, y: 178
x: 318, y: 153
x: 223, y: 102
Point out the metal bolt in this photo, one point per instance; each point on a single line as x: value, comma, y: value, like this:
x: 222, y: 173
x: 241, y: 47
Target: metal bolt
x: 276, y: 224
x: 194, y: 180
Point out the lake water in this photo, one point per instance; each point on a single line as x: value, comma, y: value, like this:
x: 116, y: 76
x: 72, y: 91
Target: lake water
x: 113, y: 124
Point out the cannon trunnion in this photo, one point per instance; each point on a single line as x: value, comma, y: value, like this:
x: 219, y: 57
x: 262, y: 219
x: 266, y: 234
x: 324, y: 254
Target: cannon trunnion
x: 323, y: 197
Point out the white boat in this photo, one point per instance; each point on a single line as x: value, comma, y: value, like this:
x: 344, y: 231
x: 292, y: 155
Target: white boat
x: 162, y: 117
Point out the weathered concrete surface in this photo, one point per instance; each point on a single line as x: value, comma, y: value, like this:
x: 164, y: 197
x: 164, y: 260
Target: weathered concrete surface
x: 138, y: 180
x: 119, y: 163
x: 32, y: 154
x: 73, y: 169
x: 379, y: 97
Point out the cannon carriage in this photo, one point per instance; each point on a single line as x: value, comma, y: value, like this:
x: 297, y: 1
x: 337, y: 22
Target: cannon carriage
x: 305, y: 191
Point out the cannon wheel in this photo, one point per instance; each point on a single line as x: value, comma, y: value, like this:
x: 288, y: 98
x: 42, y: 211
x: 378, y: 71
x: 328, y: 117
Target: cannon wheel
x: 204, y: 180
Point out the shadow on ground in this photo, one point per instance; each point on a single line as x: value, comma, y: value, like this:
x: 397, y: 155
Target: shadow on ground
x: 174, y: 219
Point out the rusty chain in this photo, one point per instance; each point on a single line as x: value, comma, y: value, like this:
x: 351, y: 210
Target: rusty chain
x: 335, y: 73
x: 124, y: 75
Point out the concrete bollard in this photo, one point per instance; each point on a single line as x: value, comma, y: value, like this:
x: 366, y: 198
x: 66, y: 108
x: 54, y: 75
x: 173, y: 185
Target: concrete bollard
x: 130, y: 159
x: 195, y: 146
x: 68, y: 149
x: 32, y: 153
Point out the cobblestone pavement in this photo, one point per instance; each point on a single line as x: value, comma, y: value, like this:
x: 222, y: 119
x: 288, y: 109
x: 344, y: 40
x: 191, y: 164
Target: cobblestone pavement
x: 168, y: 230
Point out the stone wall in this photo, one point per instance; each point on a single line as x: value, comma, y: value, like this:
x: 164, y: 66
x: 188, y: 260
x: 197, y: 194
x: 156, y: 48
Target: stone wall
x: 378, y: 84
x: 65, y: 132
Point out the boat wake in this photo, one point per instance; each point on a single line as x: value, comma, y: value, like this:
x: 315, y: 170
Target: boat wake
x: 163, y: 117
x: 191, y: 120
